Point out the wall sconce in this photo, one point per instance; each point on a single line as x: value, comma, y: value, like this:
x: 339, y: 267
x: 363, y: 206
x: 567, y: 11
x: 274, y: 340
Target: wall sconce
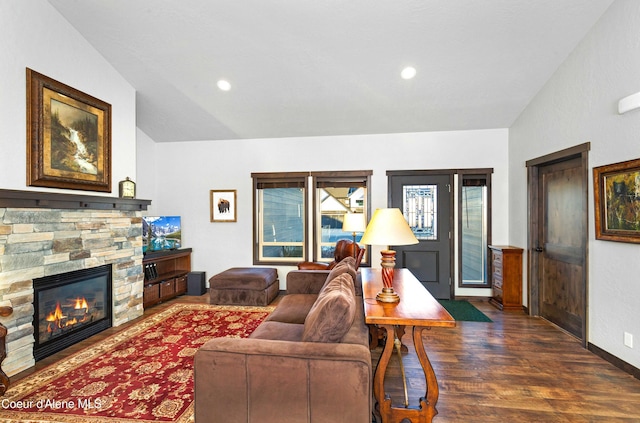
x: 629, y: 103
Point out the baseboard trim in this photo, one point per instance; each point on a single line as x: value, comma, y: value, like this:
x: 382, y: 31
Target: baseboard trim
x: 621, y: 364
x: 470, y: 299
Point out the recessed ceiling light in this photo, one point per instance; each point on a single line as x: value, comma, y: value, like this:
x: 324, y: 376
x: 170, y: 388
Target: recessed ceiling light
x: 408, y: 72
x: 224, y: 85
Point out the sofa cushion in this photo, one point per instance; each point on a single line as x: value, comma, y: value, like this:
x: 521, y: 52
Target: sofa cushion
x: 347, y: 265
x: 358, y: 333
x: 293, y: 308
x: 278, y: 331
x: 333, y: 312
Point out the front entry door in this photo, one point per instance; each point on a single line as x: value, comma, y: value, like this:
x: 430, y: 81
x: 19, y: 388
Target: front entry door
x: 424, y: 197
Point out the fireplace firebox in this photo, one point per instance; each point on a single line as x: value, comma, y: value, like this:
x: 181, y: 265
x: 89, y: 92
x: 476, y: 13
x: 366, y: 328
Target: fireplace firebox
x: 70, y: 307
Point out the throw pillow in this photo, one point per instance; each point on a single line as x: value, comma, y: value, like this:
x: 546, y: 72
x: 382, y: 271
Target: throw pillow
x: 347, y: 265
x: 333, y: 313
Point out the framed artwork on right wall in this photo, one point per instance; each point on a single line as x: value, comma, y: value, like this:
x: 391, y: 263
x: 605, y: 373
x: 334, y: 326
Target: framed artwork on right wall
x: 616, y: 188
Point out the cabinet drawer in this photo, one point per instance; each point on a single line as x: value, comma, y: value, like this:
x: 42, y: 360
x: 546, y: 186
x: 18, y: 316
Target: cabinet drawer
x: 151, y: 293
x: 497, y: 271
x: 181, y: 285
x: 167, y: 289
x: 497, y: 294
x: 497, y: 281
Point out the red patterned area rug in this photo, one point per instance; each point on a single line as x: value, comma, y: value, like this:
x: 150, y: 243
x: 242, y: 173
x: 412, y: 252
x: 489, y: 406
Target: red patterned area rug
x: 142, y: 374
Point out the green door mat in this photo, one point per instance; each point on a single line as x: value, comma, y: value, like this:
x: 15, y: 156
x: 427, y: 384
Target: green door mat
x: 464, y: 311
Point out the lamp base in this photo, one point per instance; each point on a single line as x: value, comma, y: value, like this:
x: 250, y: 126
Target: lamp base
x: 387, y: 295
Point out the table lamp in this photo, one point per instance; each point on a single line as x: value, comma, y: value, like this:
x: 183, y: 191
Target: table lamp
x: 354, y: 222
x: 388, y: 227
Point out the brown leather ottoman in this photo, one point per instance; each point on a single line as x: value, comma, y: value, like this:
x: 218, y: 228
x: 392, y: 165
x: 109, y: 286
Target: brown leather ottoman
x: 255, y: 286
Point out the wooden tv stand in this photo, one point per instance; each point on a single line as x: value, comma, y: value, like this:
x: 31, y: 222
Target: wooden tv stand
x: 165, y: 275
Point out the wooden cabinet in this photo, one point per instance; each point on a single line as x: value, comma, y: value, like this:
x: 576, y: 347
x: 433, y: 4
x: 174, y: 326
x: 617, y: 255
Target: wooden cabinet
x: 506, y: 277
x: 165, y: 275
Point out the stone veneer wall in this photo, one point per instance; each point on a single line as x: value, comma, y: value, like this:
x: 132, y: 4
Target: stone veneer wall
x: 42, y: 242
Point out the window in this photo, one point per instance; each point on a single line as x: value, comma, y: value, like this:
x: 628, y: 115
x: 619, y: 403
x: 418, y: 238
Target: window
x: 281, y: 235
x: 421, y: 210
x: 337, y: 193
x: 474, y: 228
x: 280, y: 204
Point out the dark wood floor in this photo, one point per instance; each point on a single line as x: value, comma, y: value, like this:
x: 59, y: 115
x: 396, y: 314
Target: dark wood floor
x: 516, y: 369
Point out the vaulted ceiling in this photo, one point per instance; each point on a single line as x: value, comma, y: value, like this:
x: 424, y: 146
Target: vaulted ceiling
x: 319, y: 67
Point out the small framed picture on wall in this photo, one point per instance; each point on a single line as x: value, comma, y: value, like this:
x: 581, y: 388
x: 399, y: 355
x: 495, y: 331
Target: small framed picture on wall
x: 223, y: 205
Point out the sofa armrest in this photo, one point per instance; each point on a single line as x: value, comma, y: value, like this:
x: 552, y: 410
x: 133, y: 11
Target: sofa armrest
x: 239, y: 379
x: 306, y: 281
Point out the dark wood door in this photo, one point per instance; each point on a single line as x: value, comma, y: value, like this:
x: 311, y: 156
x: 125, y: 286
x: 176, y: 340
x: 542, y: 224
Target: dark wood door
x: 425, y: 200
x: 562, y: 244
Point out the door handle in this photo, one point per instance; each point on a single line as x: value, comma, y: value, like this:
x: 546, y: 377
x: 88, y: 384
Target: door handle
x: 539, y: 249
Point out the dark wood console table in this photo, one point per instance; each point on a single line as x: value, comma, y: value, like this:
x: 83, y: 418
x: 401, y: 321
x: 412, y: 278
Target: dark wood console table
x: 417, y: 308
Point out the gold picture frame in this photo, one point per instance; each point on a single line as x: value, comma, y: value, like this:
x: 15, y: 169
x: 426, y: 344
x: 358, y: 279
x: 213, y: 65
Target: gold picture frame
x: 616, y: 189
x: 68, y: 137
x: 223, y: 205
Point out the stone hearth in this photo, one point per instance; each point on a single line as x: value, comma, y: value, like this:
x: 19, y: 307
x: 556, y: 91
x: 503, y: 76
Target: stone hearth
x: 37, y: 242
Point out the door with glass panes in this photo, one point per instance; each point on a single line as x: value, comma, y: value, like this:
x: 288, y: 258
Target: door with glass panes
x: 425, y: 199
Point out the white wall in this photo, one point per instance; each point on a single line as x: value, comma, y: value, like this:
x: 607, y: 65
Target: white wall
x: 184, y: 172
x: 146, y: 171
x: 579, y: 104
x: 34, y: 35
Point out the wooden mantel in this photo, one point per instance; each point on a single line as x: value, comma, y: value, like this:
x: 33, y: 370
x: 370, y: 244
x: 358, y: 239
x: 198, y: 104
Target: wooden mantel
x: 50, y: 200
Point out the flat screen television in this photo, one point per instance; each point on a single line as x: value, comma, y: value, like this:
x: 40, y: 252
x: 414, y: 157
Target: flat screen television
x: 161, y: 233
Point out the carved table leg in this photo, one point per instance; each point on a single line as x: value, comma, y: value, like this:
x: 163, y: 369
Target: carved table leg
x: 384, y: 401
x: 4, y: 379
x: 432, y: 391
x: 427, y: 408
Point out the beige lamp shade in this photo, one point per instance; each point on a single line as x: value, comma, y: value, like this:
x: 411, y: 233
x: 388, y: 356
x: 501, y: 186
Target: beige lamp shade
x: 354, y: 222
x: 388, y: 227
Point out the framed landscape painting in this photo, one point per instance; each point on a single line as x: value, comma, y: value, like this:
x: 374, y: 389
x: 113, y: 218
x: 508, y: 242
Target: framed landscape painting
x: 617, y: 201
x: 68, y: 137
x: 223, y: 205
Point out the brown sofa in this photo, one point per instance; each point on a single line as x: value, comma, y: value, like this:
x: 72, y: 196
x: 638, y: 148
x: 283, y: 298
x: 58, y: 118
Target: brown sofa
x: 309, y: 361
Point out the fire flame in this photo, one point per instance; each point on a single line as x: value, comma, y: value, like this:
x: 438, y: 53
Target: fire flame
x: 56, y: 315
x: 81, y: 303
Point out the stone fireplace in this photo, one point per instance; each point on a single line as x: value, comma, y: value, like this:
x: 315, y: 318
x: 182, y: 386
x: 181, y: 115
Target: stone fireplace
x: 44, y: 234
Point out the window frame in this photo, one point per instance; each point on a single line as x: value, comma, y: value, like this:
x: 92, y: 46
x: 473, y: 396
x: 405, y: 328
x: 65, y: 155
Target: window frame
x: 275, y: 179
x: 484, y: 173
x: 337, y: 177
x: 311, y: 214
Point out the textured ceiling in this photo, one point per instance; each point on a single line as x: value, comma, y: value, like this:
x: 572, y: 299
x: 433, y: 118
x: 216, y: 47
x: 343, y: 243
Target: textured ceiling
x: 315, y: 68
